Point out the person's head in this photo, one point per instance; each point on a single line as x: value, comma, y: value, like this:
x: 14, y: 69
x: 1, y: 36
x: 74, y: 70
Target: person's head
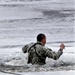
x: 41, y: 38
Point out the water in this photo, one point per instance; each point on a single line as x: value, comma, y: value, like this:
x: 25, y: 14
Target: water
x: 21, y: 21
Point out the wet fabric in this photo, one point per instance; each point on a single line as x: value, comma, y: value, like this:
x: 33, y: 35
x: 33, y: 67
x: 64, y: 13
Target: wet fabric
x: 37, y: 53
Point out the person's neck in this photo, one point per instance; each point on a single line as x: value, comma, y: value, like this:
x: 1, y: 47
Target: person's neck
x: 40, y: 42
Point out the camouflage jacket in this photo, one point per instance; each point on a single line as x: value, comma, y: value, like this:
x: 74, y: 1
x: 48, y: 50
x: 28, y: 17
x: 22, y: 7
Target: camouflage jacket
x: 37, y: 53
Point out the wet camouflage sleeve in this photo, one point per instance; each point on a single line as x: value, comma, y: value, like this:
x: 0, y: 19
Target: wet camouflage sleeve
x: 39, y: 56
x: 52, y: 54
x: 26, y: 47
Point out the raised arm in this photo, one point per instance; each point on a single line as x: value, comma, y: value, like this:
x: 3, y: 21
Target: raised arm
x: 55, y: 55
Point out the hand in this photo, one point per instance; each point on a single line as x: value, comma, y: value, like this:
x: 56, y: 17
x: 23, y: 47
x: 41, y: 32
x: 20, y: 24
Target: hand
x: 62, y: 46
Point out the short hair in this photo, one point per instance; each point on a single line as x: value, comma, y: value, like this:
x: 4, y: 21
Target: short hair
x: 40, y: 37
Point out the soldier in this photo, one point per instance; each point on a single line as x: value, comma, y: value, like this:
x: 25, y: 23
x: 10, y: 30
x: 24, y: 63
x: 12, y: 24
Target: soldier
x: 37, y: 52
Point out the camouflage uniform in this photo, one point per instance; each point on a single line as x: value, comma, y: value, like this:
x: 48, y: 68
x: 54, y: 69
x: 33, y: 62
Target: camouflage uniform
x: 37, y: 53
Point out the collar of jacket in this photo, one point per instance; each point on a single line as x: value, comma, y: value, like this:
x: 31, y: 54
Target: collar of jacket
x: 40, y: 43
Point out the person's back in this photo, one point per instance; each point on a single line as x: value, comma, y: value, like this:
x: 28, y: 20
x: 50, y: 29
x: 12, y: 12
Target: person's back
x: 37, y: 52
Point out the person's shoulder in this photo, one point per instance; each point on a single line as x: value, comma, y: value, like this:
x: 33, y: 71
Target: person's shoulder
x: 46, y: 48
x: 29, y: 45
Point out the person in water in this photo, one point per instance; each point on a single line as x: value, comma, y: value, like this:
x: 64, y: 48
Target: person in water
x: 37, y: 52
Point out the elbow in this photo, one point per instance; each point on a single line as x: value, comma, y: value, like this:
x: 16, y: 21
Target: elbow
x: 55, y: 58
